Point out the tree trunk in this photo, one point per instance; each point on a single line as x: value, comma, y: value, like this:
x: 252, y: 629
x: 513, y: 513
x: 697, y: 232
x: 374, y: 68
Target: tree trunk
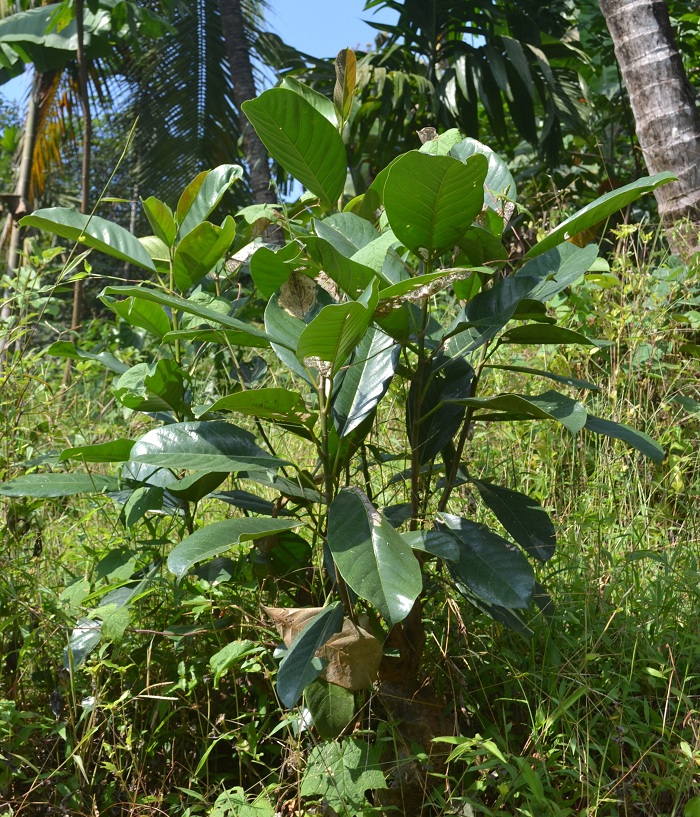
x: 77, y: 313
x: 244, y: 88
x: 664, y: 107
x: 87, y: 140
x: 22, y: 191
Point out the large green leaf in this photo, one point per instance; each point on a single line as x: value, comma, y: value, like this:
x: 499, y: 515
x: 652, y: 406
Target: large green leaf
x: 146, y: 315
x: 431, y: 201
x: 161, y: 219
x: 599, y: 210
x: 336, y: 330
x: 302, y: 140
x: 276, y: 404
x: 540, y: 333
x: 637, y: 439
x: 558, y: 268
x: 548, y: 405
x: 271, y: 269
x: 158, y: 387
x: 499, y: 182
x: 347, y: 232
x: 331, y: 707
x: 523, y: 517
x: 200, y: 250
x: 91, y: 231
x: 203, y: 194
x: 43, y: 486
x: 352, y: 277
x: 65, y: 348
x: 341, y: 772
x: 490, y: 566
x: 321, y: 103
x: 558, y: 378
x: 213, y: 446
x: 372, y: 557
x: 300, y: 666
x: 190, y: 307
x: 214, y: 539
x: 366, y: 381
x: 113, y: 451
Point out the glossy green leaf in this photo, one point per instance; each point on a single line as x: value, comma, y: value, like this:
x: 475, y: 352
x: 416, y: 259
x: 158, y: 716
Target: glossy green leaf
x: 367, y: 379
x: 499, y: 182
x: 271, y: 269
x: 637, y: 439
x: 372, y: 557
x: 352, y: 277
x: 374, y: 254
x: 436, y: 542
x: 599, y: 210
x: 158, y: 387
x: 200, y: 250
x: 431, y: 201
x: 523, y: 517
x: 332, y: 708
x: 302, y: 140
x: 202, y: 195
x: 558, y: 268
x: 543, y: 334
x: 490, y: 566
x: 276, y: 404
x: 321, y: 103
x: 143, y: 314
x: 189, y: 307
x: 300, y: 666
x: 161, y: 219
x: 202, y: 446
x: 91, y: 231
x: 44, y: 486
x: 142, y: 500
x: 65, y: 348
x: 558, y: 378
x: 113, y: 451
x: 347, y: 232
x: 548, y: 405
x: 336, y: 331
x: 214, y: 539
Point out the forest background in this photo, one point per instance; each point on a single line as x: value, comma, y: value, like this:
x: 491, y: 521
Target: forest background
x: 164, y: 624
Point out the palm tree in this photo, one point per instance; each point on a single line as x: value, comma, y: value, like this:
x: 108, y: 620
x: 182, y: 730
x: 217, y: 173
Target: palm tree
x: 445, y: 61
x: 665, y: 110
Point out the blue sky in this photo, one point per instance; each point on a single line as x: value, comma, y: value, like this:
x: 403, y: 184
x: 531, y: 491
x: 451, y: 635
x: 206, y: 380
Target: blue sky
x: 323, y: 27
x: 318, y: 27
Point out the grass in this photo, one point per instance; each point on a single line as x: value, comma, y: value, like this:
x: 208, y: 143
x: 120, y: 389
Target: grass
x: 598, y: 715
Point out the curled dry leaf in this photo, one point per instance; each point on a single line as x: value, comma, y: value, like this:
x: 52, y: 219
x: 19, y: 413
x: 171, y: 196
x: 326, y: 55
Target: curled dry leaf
x: 298, y: 295
x: 353, y: 654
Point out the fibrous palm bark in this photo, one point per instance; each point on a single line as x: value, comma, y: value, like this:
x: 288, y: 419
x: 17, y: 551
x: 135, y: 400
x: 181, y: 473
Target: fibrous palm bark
x: 664, y: 107
x: 238, y: 52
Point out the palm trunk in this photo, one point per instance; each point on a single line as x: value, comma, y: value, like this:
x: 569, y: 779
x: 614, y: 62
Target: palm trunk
x: 87, y: 139
x: 22, y: 191
x: 256, y: 157
x: 664, y: 108
x: 77, y: 313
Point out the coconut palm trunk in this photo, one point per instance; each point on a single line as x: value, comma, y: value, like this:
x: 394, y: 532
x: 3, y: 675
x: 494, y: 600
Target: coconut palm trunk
x: 238, y: 52
x: 665, y: 112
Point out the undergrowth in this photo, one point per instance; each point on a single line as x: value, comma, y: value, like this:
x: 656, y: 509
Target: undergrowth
x: 599, y: 714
